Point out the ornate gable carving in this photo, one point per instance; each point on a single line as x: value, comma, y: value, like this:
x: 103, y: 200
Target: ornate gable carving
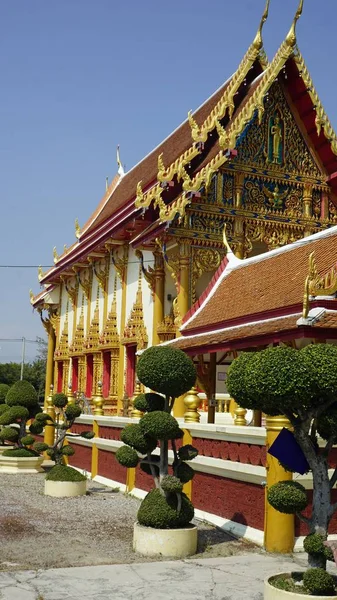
x: 62, y: 349
x: 110, y: 337
x: 135, y: 330
x: 91, y: 342
x: 76, y: 347
x: 277, y: 143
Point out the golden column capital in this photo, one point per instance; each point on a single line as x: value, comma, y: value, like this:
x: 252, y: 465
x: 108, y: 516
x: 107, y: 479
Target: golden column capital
x: 277, y: 423
x: 192, y: 402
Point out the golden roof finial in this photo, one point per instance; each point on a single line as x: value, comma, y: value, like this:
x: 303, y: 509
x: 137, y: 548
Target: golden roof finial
x: 55, y: 255
x: 106, y: 184
x: 120, y: 171
x: 291, y: 37
x: 31, y: 296
x: 77, y: 229
x: 258, y: 43
x: 161, y: 166
x: 40, y: 272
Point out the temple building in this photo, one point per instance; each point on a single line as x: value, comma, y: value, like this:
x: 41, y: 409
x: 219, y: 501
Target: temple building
x: 258, y: 161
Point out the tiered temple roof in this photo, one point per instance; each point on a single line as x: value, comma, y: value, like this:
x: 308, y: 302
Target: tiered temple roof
x: 282, y: 295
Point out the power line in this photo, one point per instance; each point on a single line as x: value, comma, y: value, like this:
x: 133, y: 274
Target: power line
x: 132, y: 262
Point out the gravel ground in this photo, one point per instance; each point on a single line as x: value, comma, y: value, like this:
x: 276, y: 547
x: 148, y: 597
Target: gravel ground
x: 37, y: 531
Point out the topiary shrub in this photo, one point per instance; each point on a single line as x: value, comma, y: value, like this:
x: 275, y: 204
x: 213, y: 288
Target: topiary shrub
x: 302, y: 385
x: 314, y: 544
x: 21, y: 405
x: 20, y: 452
x: 288, y: 497
x: 172, y: 373
x: 65, y: 416
x: 163, y: 512
x: 4, y: 388
x: 318, y: 582
x: 64, y: 473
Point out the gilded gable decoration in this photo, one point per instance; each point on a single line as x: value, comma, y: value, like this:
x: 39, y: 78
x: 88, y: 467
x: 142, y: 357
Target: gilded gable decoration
x: 135, y: 330
x: 317, y: 285
x: 110, y: 337
x: 101, y: 270
x: 91, y: 341
x: 84, y: 279
x: 149, y: 272
x: 204, y: 260
x: 76, y: 347
x: 120, y: 262
x: 166, y: 329
x: 71, y: 288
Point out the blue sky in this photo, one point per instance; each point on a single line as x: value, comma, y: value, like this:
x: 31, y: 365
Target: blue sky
x: 79, y: 77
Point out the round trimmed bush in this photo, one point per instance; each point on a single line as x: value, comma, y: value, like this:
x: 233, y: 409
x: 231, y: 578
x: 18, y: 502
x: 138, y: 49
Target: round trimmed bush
x: 171, y: 484
x: 238, y: 383
x: 43, y: 417
x: 22, y: 393
x: 288, y: 497
x: 3, y: 392
x: 185, y: 472
x: 3, y: 408
x: 327, y: 423
x: 159, y: 425
x: 149, y: 402
x: 72, y: 411
x: 19, y: 453
x: 127, y: 457
x: 60, y: 400
x: 319, y: 582
x: 40, y: 447
x: 36, y: 427
x: 68, y: 450
x: 9, y: 434
x: 64, y: 473
x: 187, y: 452
x: 314, y: 544
x: 134, y: 437
x: 160, y: 512
x: 13, y: 414
x: 166, y: 370
x: 320, y: 361
x: 27, y: 440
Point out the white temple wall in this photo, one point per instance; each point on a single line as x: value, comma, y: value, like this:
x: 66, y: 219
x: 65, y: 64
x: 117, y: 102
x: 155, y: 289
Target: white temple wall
x: 147, y: 297
x: 131, y: 281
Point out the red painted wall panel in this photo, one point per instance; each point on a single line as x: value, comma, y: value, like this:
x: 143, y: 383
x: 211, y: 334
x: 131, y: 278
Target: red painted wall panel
x: 238, y: 501
x: 109, y: 467
x: 82, y: 457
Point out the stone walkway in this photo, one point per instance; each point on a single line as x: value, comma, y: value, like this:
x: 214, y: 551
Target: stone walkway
x: 232, y: 578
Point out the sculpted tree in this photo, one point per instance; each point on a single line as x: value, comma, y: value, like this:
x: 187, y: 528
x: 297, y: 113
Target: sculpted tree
x: 171, y: 373
x: 302, y: 385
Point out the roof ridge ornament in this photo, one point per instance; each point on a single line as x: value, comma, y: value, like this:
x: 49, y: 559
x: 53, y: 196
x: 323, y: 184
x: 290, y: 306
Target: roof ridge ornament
x: 258, y: 41
x: 291, y: 37
x: 121, y: 171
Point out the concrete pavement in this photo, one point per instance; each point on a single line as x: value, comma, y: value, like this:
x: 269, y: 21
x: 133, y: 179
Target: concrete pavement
x: 229, y: 578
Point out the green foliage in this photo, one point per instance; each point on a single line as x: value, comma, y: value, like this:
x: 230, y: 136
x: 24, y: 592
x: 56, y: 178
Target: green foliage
x: 287, y: 497
x: 9, y: 434
x: 27, y: 440
x: 185, y: 472
x: 320, y: 361
x: 133, y: 436
x: 140, y: 403
x: 40, y: 447
x: 60, y: 400
x: 327, y: 423
x: 149, y: 402
x: 34, y: 372
x: 238, y: 382
x: 14, y: 414
x: 127, y: 457
x: 88, y: 435
x: 72, y: 411
x: 3, y: 408
x: 155, y: 463
x: 3, y: 392
x: 36, y: 427
x: 159, y: 425
x: 43, y: 418
x: 187, y: 452
x: 64, y: 473
x: 68, y: 450
x: 160, y: 512
x: 19, y: 452
x: 22, y: 393
x: 314, y: 544
x: 319, y: 582
x: 171, y: 484
x: 166, y: 370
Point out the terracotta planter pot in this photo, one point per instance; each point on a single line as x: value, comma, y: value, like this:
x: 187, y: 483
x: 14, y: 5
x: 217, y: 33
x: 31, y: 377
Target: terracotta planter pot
x: 174, y: 543
x: 65, y: 489
x: 20, y: 464
x: 272, y: 593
